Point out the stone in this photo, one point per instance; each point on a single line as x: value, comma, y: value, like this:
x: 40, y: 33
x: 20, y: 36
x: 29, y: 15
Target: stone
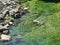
x: 37, y: 22
x: 3, y: 28
x: 13, y: 2
x: 11, y: 23
x: 25, y: 8
x: 9, y: 7
x: 5, y: 37
x: 5, y: 32
x: 13, y: 11
x: 6, y: 12
x: 7, y: 25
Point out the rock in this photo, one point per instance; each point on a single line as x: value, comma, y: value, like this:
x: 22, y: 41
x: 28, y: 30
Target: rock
x: 15, y: 13
x: 5, y: 13
x: 37, y: 22
x: 5, y: 32
x: 4, y: 3
x: 3, y: 28
x: 13, y: 2
x: 25, y: 8
x: 11, y: 23
x: 5, y: 37
x: 7, y: 25
x: 7, y: 2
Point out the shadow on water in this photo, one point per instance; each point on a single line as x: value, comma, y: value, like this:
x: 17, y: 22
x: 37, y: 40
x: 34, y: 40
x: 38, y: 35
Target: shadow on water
x: 53, y: 1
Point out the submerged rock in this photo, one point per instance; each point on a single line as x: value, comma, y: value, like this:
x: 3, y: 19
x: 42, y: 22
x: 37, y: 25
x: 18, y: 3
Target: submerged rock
x: 6, y: 12
x: 37, y: 22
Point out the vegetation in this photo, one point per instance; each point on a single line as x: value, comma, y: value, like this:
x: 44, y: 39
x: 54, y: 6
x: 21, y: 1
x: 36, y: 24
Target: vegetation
x: 49, y: 14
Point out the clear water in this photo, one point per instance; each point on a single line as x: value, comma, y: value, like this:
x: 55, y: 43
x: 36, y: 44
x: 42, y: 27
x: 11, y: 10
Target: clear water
x: 16, y: 33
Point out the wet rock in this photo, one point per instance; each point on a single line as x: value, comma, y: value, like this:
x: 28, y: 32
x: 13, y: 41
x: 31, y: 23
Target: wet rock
x: 13, y: 11
x: 25, y: 8
x: 6, y: 26
x: 5, y: 32
x: 3, y: 28
x: 5, y: 37
x: 13, y: 2
x: 4, y: 3
x: 8, y: 1
x: 5, y: 13
x: 11, y: 23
